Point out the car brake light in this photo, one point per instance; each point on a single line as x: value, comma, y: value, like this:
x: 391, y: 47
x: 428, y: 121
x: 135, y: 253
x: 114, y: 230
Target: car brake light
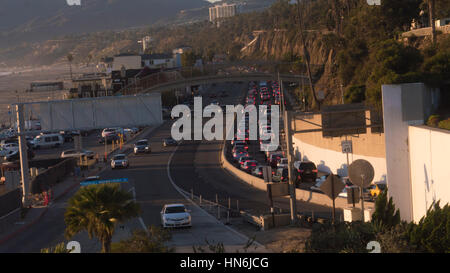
x: 315, y: 171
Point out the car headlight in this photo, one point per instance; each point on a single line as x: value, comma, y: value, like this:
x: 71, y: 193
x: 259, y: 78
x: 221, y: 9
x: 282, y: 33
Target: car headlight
x: 146, y: 148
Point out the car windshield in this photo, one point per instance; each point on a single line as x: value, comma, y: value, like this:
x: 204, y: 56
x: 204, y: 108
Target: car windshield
x: 308, y: 165
x: 119, y: 157
x: 142, y: 143
x: 178, y: 209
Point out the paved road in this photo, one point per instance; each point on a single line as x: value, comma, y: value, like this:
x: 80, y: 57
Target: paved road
x: 148, y: 175
x: 199, y: 168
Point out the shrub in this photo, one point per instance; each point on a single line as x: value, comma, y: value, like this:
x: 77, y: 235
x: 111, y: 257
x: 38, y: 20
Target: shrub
x: 385, y: 216
x: 355, y: 94
x: 144, y: 242
x: 347, y: 237
x: 444, y: 124
x: 432, y: 233
x: 433, y: 120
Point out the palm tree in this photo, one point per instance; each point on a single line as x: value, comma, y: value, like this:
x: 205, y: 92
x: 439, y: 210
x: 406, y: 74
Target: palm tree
x: 70, y: 59
x: 431, y: 14
x: 97, y: 209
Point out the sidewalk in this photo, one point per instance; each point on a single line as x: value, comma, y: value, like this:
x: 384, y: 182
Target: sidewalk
x: 36, y: 212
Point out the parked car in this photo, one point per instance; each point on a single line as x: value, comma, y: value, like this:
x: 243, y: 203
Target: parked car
x: 15, y: 155
x: 114, y: 130
x: 142, y: 146
x: 77, y: 154
x: 14, y: 146
x: 175, y: 215
x: 306, y: 171
x: 109, y: 139
x: 47, y: 141
x: 169, y: 142
x: 119, y: 161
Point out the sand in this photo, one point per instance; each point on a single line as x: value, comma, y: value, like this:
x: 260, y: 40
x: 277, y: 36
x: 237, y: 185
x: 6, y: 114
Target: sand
x: 14, y: 85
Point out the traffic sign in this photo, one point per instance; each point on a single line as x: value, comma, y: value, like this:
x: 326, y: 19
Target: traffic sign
x: 332, y: 186
x: 267, y: 173
x: 108, y: 181
x: 278, y: 189
x: 361, y: 173
x: 347, y: 147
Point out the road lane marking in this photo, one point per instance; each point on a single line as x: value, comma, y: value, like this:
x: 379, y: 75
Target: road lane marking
x: 186, y: 196
x: 141, y: 221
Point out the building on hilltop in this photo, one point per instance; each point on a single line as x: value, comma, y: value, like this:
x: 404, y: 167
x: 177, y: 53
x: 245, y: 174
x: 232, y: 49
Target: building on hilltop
x: 220, y: 12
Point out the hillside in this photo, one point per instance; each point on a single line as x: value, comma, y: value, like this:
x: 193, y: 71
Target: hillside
x: 31, y: 20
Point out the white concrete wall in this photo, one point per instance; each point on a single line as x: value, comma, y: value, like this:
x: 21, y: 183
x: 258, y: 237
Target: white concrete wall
x: 336, y: 162
x: 397, y: 150
x: 430, y: 173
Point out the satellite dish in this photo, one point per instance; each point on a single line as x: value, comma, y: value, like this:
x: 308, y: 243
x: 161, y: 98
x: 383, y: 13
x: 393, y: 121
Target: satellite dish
x: 361, y: 173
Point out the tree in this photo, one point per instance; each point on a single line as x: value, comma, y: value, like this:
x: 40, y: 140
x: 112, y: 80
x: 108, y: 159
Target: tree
x: 432, y: 233
x: 385, y: 215
x: 431, y: 5
x: 97, y: 209
x: 59, y: 248
x: 150, y: 241
x: 70, y: 59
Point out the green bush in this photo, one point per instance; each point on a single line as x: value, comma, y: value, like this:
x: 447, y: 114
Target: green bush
x: 432, y: 233
x: 152, y: 241
x: 433, y: 120
x: 355, y: 94
x: 385, y: 216
x: 347, y: 237
x: 444, y: 124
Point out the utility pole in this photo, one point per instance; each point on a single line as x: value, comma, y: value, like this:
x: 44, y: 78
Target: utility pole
x: 287, y: 134
x: 25, y: 172
x: 305, y: 53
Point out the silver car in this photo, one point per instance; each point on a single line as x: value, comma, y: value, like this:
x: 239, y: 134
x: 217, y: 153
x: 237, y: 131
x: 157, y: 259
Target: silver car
x: 119, y: 161
x: 175, y: 215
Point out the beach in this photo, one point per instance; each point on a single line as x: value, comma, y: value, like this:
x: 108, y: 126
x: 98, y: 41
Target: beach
x: 15, y: 81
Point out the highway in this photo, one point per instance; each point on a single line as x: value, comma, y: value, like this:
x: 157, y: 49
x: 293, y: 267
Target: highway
x: 192, y: 165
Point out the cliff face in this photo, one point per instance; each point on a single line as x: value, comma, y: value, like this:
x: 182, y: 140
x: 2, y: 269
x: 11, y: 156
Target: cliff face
x: 278, y: 44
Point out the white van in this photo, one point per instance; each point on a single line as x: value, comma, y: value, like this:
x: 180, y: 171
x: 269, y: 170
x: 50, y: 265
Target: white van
x: 48, y: 141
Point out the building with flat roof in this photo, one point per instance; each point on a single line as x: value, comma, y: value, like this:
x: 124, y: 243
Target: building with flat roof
x: 220, y: 12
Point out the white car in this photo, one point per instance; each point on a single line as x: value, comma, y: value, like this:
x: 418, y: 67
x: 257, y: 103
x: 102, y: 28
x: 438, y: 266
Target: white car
x: 108, y: 131
x: 119, y: 161
x: 175, y: 215
x: 74, y: 153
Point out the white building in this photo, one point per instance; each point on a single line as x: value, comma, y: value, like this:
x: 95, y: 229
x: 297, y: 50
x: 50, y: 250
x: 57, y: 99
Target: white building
x: 158, y: 61
x: 219, y: 12
x: 442, y: 22
x: 134, y: 61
